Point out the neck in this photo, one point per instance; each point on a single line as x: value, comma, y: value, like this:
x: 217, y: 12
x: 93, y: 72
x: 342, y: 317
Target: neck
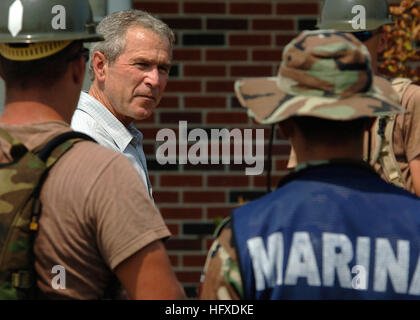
x: 314, y: 152
x: 35, y: 106
x: 96, y: 92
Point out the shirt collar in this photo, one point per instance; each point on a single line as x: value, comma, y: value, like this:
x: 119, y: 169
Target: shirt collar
x: 119, y: 133
x: 340, y: 162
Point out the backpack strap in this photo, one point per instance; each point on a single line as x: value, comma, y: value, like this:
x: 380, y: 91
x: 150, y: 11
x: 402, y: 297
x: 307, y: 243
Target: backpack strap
x: 384, y: 136
x: 50, y: 153
x: 387, y: 158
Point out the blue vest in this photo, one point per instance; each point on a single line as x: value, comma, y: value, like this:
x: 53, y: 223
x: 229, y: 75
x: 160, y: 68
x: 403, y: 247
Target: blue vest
x: 330, y: 232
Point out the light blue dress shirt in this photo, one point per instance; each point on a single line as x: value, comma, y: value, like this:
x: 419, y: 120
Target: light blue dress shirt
x: 94, y: 119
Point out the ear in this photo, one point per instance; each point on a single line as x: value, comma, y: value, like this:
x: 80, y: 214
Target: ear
x: 100, y: 65
x: 78, y: 67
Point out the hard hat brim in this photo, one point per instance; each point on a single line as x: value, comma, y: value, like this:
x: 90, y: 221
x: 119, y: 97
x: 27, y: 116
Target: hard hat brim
x: 52, y: 37
x: 346, y: 26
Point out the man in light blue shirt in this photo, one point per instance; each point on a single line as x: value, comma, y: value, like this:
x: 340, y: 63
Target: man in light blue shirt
x: 129, y: 72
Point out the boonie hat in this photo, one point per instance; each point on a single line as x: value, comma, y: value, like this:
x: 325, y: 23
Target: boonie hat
x: 325, y: 74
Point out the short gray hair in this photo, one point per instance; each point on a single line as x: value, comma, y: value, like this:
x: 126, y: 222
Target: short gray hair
x: 114, y: 29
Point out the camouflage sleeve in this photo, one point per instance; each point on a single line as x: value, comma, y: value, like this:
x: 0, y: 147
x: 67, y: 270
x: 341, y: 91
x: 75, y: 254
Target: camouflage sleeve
x: 221, y: 279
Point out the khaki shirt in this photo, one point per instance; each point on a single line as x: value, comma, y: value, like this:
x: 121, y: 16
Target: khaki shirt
x: 96, y: 213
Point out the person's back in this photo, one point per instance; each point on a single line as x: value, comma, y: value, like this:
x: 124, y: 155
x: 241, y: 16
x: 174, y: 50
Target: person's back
x: 333, y: 230
x: 396, y: 154
x: 97, y: 223
x: 83, y: 229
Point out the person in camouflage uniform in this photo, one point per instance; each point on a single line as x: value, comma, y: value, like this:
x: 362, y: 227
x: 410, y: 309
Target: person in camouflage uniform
x: 396, y: 154
x: 99, y: 231
x: 333, y: 216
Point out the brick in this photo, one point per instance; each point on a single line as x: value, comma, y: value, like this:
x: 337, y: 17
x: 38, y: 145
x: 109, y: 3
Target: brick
x: 204, y: 167
x: 183, y: 86
x: 204, y: 7
x: 220, y: 86
x: 251, y: 71
x: 175, y: 117
x: 198, y: 228
x: 281, y: 164
x: 239, y: 167
x: 267, y: 55
x: 181, y: 181
x: 261, y: 181
x: 227, y: 24
x: 246, y: 195
x: 166, y: 196
x: 273, y: 24
x: 157, y: 7
x: 152, y: 179
x: 227, y: 181
x: 188, y: 276
x: 204, y: 71
x: 187, y: 55
x: 282, y: 149
x: 250, y: 40
x: 208, y: 243
x: 169, y: 102
x: 205, y: 102
x: 283, y: 40
x: 203, y: 39
x: 227, y: 118
x: 183, y: 23
x: 226, y: 55
x: 219, y: 212
x: 204, y: 196
x: 234, y: 103
x: 181, y: 213
x: 174, y: 260
x: 153, y: 165
x: 193, y: 260
x: 251, y: 8
x: 149, y: 149
x: 173, y: 228
x: 183, y: 244
x: 149, y: 133
x: 307, y: 24
x: 174, y: 72
x: 295, y: 9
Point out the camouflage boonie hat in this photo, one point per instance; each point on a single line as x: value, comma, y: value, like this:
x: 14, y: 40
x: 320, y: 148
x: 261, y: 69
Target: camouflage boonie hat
x: 324, y: 74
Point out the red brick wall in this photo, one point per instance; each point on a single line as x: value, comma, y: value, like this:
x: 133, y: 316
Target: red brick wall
x: 217, y: 43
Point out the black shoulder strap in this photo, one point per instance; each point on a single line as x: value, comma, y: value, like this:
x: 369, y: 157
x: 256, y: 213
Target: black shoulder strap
x: 56, y: 141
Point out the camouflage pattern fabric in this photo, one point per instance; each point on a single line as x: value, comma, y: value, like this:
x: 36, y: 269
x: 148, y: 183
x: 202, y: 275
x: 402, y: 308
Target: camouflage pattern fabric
x: 20, y: 184
x: 324, y: 74
x: 221, y: 278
